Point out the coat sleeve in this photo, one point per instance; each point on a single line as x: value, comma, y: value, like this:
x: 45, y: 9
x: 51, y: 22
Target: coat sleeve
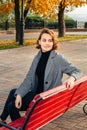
x: 26, y: 85
x: 69, y: 69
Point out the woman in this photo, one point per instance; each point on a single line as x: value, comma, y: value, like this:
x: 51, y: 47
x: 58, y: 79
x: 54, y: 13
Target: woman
x: 45, y: 73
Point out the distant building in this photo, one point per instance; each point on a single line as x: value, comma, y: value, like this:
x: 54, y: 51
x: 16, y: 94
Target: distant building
x: 80, y: 24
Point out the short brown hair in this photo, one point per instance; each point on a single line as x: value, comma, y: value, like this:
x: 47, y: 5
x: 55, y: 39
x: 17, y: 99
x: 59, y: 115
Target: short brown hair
x: 52, y: 34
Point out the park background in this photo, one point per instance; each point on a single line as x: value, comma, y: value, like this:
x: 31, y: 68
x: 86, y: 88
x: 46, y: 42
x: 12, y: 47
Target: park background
x: 14, y: 63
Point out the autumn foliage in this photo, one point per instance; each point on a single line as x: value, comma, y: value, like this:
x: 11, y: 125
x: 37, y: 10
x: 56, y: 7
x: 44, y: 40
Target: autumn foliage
x: 7, y: 8
x: 47, y: 8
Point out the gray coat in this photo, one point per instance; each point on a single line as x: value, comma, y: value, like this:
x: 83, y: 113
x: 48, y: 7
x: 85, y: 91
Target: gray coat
x: 56, y: 66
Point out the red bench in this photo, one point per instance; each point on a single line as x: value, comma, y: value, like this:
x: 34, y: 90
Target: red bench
x: 49, y: 105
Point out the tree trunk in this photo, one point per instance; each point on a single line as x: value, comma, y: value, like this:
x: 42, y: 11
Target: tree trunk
x: 25, y: 13
x: 17, y: 19
x: 6, y: 25
x: 61, y: 22
x: 26, y: 10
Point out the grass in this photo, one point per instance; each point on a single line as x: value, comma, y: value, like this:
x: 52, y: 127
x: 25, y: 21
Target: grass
x: 72, y: 37
x: 9, y: 44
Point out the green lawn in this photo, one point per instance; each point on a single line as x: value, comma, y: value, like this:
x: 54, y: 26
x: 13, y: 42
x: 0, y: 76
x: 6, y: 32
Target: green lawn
x: 72, y: 37
x: 9, y: 44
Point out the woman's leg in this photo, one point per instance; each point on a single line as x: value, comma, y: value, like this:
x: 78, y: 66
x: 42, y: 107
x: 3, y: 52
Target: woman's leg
x: 14, y: 112
x: 10, y: 109
x: 10, y: 98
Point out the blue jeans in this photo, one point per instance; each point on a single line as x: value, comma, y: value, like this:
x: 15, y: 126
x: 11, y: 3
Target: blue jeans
x: 10, y: 109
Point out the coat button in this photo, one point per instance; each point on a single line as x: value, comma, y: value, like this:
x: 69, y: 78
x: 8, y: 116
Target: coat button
x: 46, y: 82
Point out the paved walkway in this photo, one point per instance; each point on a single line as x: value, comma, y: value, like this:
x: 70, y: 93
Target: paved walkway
x: 14, y: 64
x: 11, y: 35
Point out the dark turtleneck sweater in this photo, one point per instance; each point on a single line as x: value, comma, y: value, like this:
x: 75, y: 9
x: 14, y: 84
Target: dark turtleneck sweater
x: 40, y: 71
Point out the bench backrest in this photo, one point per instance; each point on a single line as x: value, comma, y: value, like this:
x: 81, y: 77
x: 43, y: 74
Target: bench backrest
x: 49, y: 105
x: 55, y: 102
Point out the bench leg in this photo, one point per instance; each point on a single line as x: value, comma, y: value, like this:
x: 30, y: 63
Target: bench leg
x: 85, y: 108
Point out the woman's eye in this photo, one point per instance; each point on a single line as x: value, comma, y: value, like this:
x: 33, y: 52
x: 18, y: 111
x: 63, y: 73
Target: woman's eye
x: 50, y: 40
x: 44, y: 40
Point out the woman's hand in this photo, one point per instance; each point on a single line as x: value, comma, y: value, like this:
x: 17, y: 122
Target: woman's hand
x: 18, y: 101
x: 70, y: 83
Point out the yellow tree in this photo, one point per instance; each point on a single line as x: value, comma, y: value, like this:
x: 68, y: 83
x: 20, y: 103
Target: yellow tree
x: 63, y: 4
x: 7, y: 7
x: 38, y: 6
x: 52, y: 8
x: 47, y: 8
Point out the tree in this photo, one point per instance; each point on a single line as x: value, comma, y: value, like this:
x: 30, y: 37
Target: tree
x: 52, y: 8
x: 38, y: 6
x: 17, y: 19
x: 63, y: 4
x: 7, y: 7
x: 61, y: 20
x: 46, y: 8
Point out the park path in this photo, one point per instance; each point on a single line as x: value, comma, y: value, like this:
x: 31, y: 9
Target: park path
x: 14, y: 64
x: 6, y: 35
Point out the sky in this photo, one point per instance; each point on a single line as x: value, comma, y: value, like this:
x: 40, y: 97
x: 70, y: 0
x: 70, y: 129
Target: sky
x: 79, y: 14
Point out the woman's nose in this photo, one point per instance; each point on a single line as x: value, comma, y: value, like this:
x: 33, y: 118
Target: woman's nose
x: 47, y: 42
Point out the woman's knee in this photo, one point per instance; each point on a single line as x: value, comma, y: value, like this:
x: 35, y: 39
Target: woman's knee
x: 11, y: 97
x: 11, y: 106
x: 12, y: 91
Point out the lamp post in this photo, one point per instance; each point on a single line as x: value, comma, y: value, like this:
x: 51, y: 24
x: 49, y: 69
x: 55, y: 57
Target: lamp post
x: 21, y: 42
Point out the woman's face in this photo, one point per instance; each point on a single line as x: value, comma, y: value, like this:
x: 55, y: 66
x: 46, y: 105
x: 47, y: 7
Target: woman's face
x: 46, y: 42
